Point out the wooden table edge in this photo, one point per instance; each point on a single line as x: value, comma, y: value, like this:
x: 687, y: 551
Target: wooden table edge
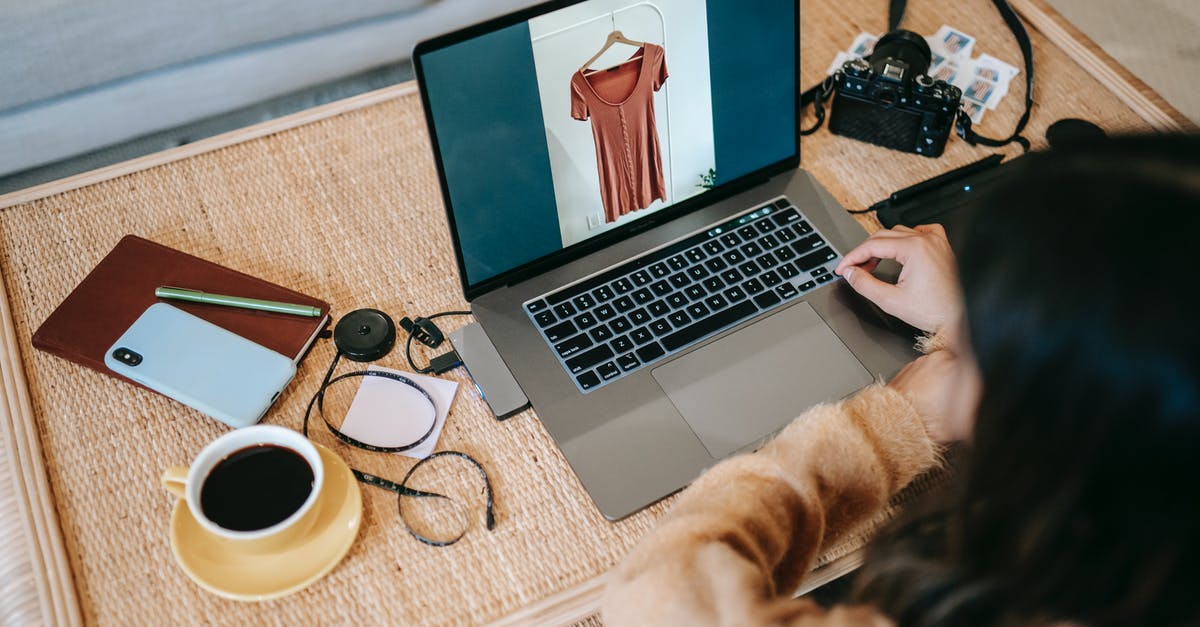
x: 18, y: 430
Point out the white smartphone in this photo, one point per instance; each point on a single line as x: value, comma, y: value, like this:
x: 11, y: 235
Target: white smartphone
x: 201, y: 365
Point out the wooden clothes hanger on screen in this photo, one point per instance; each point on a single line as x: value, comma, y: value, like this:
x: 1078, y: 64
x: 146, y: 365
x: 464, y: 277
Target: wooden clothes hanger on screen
x: 615, y: 37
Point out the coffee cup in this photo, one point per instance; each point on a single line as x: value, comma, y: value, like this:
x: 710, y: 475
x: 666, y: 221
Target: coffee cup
x: 257, y: 486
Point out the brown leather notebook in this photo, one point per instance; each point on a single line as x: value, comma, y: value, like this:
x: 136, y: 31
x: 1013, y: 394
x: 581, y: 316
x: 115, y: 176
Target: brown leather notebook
x: 121, y: 287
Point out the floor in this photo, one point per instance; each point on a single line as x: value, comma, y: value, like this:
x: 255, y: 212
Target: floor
x: 1156, y: 39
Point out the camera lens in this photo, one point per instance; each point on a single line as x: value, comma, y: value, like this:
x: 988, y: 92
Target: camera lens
x: 902, y: 47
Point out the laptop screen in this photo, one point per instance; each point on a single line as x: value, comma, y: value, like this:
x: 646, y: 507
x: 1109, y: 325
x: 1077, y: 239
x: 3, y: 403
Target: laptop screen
x: 575, y: 123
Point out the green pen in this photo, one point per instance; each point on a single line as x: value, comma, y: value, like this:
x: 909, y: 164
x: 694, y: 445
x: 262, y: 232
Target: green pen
x: 196, y: 296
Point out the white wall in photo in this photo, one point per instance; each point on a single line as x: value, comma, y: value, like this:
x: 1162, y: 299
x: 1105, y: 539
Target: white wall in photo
x: 564, y: 40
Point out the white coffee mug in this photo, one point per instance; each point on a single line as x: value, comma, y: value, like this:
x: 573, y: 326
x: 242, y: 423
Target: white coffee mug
x: 186, y: 483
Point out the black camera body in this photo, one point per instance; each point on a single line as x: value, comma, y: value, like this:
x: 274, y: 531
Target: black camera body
x: 889, y: 99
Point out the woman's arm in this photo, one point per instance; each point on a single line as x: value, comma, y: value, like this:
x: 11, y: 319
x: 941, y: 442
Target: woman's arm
x: 738, y: 541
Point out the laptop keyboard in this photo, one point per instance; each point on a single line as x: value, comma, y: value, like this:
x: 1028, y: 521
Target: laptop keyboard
x: 641, y: 311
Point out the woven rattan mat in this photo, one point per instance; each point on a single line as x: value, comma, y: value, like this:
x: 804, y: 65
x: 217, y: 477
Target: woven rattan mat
x: 349, y: 209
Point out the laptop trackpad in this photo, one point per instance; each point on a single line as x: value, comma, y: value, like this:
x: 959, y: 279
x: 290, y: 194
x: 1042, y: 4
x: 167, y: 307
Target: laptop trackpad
x: 752, y: 383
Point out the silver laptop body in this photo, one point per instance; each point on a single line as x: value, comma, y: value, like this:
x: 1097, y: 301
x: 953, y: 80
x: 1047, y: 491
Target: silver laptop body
x: 652, y: 429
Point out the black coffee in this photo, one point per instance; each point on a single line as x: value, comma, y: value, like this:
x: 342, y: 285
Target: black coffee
x: 256, y: 487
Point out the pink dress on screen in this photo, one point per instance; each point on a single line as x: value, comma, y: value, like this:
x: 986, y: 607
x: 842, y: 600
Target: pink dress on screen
x: 620, y: 103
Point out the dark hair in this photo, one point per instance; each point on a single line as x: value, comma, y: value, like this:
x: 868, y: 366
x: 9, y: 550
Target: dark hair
x: 1079, y: 497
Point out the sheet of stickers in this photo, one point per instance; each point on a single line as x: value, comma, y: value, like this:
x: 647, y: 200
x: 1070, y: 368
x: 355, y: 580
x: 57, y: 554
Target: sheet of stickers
x: 983, y: 79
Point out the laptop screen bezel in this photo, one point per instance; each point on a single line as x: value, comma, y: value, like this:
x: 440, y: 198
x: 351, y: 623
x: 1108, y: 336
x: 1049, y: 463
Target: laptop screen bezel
x: 530, y: 269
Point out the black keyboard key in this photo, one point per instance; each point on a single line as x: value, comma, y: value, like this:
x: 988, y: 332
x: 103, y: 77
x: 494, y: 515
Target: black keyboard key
x: 639, y: 316
x: 767, y: 299
x: 825, y: 278
x: 785, y: 253
x: 650, y: 352
x: 787, y: 271
x: 584, y: 361
x: 659, y: 308
x: 818, y: 272
x: 677, y: 262
x: 715, y: 302
x: 768, y: 242
x: 583, y: 302
x: 698, y: 310
x: 771, y: 279
x: 695, y: 292
x: 751, y: 250
x: 585, y: 320
x: 643, y: 296
x: 660, y: 327
x: 536, y: 306
x: 808, y: 285
x: 641, y: 277
x: 679, y: 318
x: 786, y: 291
x: 785, y: 217
x: 566, y: 348
x: 620, y: 325
x: 697, y: 272
x: 717, y: 322
x: 622, y: 285
x: 735, y: 293
x: 623, y: 304
x: 749, y: 268
x: 782, y: 203
x: 622, y: 344
x: 641, y: 336
x: 802, y: 228
x: 695, y: 255
x: 766, y: 261
x: 564, y: 310
x: 716, y: 264
x: 679, y: 280
x: 765, y: 226
x: 812, y: 260
x: 731, y: 276
x: 601, y: 334
x: 562, y: 331
x: 659, y: 270
x: 713, y: 247
x: 608, y: 371
x: 747, y: 233
x: 730, y: 240
x: 808, y: 244
x: 713, y: 284
x: 733, y: 256
x: 753, y: 286
x: 604, y: 312
x: 544, y: 317
x: 661, y: 288
x: 677, y: 300
x: 603, y: 293
x: 628, y: 362
x: 785, y: 234
x: 588, y: 380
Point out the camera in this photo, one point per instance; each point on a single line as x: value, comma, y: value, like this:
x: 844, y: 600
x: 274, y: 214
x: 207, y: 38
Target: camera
x: 888, y: 99
x: 127, y: 356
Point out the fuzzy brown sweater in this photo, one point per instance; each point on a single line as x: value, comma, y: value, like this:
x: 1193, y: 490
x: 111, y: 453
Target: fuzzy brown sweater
x: 739, y: 540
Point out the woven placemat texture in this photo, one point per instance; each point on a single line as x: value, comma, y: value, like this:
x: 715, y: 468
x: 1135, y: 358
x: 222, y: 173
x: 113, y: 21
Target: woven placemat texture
x: 348, y: 209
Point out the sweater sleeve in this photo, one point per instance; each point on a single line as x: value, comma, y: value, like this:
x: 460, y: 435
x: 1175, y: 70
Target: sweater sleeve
x: 738, y: 541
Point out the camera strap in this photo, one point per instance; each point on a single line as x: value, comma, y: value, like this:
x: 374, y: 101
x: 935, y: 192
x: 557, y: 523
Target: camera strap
x: 820, y: 93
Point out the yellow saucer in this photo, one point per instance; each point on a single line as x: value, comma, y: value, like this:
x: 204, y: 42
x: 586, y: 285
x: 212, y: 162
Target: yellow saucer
x: 218, y: 565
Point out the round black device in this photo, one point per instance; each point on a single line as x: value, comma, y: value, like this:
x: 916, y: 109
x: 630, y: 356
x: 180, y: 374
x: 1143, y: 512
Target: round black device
x: 364, y: 335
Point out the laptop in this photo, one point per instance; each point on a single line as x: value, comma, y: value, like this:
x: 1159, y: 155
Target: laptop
x: 635, y: 236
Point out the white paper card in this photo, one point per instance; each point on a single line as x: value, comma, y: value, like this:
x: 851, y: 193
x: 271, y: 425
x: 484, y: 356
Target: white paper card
x: 385, y: 412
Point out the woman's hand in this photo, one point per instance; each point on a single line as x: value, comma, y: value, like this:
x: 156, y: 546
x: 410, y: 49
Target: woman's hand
x: 945, y: 390
x: 927, y: 295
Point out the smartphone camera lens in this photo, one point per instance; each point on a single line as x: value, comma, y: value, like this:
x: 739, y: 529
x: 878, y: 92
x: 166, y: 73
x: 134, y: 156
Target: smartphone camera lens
x: 127, y: 357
